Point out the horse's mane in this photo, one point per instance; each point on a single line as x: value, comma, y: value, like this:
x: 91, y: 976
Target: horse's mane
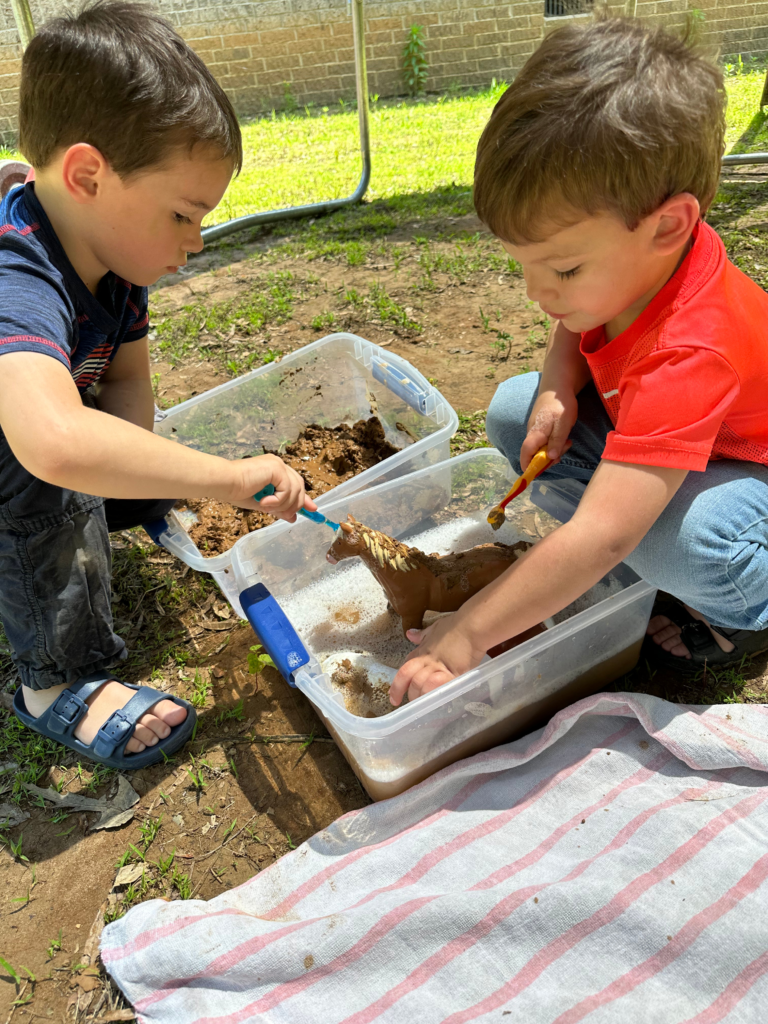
x: 388, y: 551
x: 393, y: 553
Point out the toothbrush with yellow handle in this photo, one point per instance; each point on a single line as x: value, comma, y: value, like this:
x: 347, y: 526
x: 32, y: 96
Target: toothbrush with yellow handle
x: 539, y: 462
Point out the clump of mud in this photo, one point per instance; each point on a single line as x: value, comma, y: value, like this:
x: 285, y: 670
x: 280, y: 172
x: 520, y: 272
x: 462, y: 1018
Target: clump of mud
x: 361, y: 696
x: 323, y: 456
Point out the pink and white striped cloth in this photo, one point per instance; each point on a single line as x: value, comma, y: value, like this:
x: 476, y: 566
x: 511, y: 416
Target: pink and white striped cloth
x: 609, y: 868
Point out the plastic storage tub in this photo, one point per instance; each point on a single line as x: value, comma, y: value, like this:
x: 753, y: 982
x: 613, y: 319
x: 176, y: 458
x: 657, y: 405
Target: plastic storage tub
x: 503, y: 697
x: 338, y: 379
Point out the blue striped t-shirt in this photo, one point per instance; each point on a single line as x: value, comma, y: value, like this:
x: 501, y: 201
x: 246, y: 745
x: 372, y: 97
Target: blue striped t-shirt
x: 44, y: 305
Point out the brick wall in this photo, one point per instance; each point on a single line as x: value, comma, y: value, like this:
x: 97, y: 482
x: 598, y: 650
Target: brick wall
x: 262, y: 51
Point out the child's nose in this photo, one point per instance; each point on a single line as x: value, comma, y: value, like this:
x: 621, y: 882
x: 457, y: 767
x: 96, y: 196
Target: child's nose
x: 194, y: 243
x: 538, y: 291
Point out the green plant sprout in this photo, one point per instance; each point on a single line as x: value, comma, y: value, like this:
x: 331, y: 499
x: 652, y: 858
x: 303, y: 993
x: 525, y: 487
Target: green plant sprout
x: 148, y: 831
x: 197, y: 777
x: 164, y: 865
x: 182, y: 885
x: 54, y: 946
x: 258, y: 661
x: 415, y: 61
x: 237, y: 712
x: 324, y: 321
x: 201, y: 689
x: 16, y: 849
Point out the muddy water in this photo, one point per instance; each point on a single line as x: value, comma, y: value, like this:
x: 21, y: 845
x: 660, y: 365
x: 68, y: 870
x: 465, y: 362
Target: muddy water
x: 520, y: 722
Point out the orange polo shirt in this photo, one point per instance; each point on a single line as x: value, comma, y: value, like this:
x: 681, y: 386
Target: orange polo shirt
x: 688, y: 380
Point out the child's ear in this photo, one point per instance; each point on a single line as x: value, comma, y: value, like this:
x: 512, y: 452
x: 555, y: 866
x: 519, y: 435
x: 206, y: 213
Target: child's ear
x: 83, y: 169
x: 675, y: 221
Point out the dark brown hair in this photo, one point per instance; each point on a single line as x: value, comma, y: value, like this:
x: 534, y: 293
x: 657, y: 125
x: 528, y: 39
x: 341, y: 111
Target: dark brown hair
x: 612, y: 116
x: 117, y: 76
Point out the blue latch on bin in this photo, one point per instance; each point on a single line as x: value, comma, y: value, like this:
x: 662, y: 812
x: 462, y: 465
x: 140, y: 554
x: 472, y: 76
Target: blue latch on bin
x: 401, y: 384
x: 274, y: 629
x: 156, y: 528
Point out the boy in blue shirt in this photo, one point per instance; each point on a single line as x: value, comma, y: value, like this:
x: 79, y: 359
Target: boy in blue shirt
x: 132, y: 142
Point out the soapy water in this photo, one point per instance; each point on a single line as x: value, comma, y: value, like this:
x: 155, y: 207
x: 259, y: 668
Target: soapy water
x: 345, y: 614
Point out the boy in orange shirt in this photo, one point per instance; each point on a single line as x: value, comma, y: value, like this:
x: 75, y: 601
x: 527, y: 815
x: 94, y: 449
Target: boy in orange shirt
x: 594, y: 171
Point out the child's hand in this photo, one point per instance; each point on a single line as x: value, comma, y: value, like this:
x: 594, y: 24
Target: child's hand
x: 289, y: 494
x: 444, y: 651
x: 552, y: 418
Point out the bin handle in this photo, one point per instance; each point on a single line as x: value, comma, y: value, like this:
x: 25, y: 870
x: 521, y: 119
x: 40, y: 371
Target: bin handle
x: 402, y: 381
x: 274, y: 629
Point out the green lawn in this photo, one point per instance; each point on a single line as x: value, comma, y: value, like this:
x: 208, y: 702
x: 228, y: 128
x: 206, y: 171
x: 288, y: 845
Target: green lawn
x: 417, y: 146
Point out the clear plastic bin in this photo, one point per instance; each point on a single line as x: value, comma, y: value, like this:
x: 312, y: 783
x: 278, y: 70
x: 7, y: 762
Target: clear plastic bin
x: 338, y: 379
x: 503, y: 697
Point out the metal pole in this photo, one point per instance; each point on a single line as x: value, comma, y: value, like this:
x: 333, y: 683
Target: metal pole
x: 745, y: 158
x: 22, y: 15
x: 316, y: 209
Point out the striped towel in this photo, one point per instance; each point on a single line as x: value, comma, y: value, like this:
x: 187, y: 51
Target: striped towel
x: 610, y: 868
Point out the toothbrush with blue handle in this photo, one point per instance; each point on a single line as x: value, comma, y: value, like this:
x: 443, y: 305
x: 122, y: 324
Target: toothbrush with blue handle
x: 316, y: 517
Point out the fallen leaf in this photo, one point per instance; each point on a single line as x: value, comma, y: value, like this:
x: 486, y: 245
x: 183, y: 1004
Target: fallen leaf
x: 114, y: 812
x: 216, y: 625
x: 218, y: 672
x: 222, y: 611
x: 115, y: 1015
x: 128, y: 873
x: 11, y: 815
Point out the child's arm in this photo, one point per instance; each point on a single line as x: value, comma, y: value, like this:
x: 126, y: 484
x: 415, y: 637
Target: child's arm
x: 619, y: 506
x: 59, y: 440
x: 125, y: 390
x: 555, y: 410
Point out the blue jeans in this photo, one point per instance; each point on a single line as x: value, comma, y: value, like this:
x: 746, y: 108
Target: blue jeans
x: 55, y: 574
x: 709, y: 547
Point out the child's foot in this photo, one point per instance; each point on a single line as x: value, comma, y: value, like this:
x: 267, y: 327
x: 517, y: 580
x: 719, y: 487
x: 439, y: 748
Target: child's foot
x: 666, y: 633
x: 152, y: 727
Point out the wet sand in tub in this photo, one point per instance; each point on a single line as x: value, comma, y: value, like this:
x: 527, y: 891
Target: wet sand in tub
x: 520, y: 722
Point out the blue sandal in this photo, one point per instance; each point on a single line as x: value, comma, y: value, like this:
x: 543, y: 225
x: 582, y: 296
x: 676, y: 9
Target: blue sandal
x: 59, y: 721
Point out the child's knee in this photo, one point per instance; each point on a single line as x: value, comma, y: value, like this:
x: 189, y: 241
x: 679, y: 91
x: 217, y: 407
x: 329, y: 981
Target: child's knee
x: 506, y: 422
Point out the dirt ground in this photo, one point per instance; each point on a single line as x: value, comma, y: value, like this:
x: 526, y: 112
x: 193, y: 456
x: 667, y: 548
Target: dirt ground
x: 262, y: 774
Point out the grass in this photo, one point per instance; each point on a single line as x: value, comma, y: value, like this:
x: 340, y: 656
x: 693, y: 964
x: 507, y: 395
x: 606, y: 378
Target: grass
x: 471, y: 433
x: 206, y: 327
x: 747, y: 129
x: 292, y: 158
x: 418, y: 147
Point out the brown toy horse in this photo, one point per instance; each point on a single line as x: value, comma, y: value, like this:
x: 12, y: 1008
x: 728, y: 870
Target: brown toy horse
x: 415, y: 582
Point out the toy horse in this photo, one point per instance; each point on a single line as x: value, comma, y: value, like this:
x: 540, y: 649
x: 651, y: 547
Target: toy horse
x: 415, y: 582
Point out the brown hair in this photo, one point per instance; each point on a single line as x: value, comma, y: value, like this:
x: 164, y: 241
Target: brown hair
x: 612, y: 116
x: 117, y: 76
